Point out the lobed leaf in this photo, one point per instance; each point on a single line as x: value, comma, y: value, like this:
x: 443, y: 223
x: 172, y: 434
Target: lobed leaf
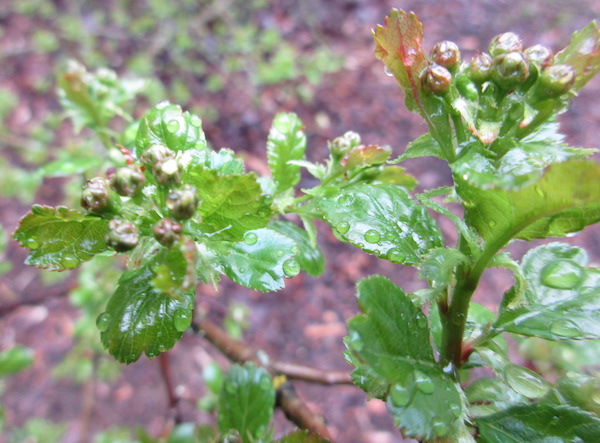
x: 583, y: 54
x: 423, y: 146
x: 391, y: 339
x: 60, y: 238
x: 168, y: 125
x: 382, y: 220
x: 309, y: 258
x: 560, y: 300
x: 286, y: 143
x: 139, y: 319
x: 246, y: 402
x: 539, y: 422
x: 439, y: 265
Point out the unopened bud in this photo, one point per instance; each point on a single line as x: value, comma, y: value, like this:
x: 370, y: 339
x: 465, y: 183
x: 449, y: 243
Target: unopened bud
x: 436, y: 79
x: 128, y: 181
x: 95, y: 196
x: 182, y: 202
x: 480, y: 68
x: 558, y: 79
x: 540, y: 55
x: 154, y: 154
x: 122, y: 235
x: 504, y: 43
x: 344, y: 143
x: 509, y: 70
x: 167, y: 232
x: 446, y: 54
x: 167, y: 171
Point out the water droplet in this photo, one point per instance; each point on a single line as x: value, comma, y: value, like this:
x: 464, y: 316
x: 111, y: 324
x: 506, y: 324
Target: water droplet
x: 539, y: 191
x: 421, y: 322
x: 172, y: 126
x: 400, y: 396
x: 182, y: 319
x: 354, y: 341
x: 387, y: 71
x: 525, y: 381
x: 151, y: 354
x: 562, y: 274
x: 565, y: 328
x: 294, y: 250
x: 372, y: 236
x: 250, y: 238
x: 424, y: 383
x: 196, y: 121
x: 345, y: 200
x: 492, y: 223
x: 440, y: 428
x: 389, y: 236
x: 343, y: 227
x: 243, y: 270
x: 32, y: 244
x: 455, y: 410
x: 69, y: 262
x: 280, y: 253
x: 103, y: 321
x: 395, y: 256
x: 291, y: 267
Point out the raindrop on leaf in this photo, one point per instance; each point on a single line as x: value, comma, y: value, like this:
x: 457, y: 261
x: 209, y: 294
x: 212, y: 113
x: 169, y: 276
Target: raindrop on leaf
x: 250, y: 238
x: 565, y: 328
x: 291, y: 268
x: 182, y: 319
x: 196, y: 121
x: 372, y: 236
x: 395, y: 256
x: 400, y: 396
x: 424, y: 383
x: 32, y: 244
x: 562, y: 274
x: 345, y: 200
x: 343, y: 227
x: 525, y: 381
x: 103, y: 321
x: 69, y: 262
x: 172, y: 126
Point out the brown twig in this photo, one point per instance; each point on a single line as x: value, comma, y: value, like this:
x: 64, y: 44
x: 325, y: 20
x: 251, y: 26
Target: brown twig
x: 165, y: 371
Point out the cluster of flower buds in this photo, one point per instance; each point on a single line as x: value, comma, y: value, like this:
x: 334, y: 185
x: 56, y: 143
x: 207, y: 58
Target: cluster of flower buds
x: 128, y: 181
x: 344, y: 143
x: 167, y: 232
x: 446, y: 59
x: 96, y: 195
x: 122, y: 235
x: 182, y: 202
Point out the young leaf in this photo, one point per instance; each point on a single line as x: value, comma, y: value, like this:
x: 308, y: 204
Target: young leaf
x: 424, y: 146
x: 140, y: 319
x: 168, y: 125
x: 382, y: 220
x: 309, y: 258
x: 539, y: 422
x: 246, y: 402
x: 259, y: 262
x: 583, y: 54
x: 560, y: 301
x: 286, y: 142
x: 15, y: 359
x: 392, y: 338
x: 561, y: 202
x: 230, y: 205
x: 439, y: 264
x: 60, y: 238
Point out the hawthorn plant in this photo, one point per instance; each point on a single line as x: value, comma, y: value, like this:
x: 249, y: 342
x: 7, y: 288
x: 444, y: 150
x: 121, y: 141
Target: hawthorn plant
x: 184, y: 212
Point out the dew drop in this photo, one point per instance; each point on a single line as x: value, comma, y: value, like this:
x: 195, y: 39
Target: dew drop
x: 565, y: 328
x: 345, y: 200
x: 151, y: 354
x: 400, y: 396
x: 32, y: 244
x: 525, y: 381
x: 69, y: 262
x: 372, y: 236
x: 492, y: 223
x: 424, y: 383
x: 196, y: 121
x: 343, y: 227
x: 182, y: 319
x: 395, y: 256
x: 562, y: 274
x: 243, y: 270
x: 250, y: 238
x: 455, y: 410
x: 280, y: 253
x: 294, y: 250
x: 103, y: 321
x: 291, y: 268
x: 421, y: 322
x: 389, y: 236
x: 172, y: 126
x: 439, y: 428
x: 355, y: 341
x: 387, y: 71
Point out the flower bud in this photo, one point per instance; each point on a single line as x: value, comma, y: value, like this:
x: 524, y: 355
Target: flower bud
x: 509, y: 70
x: 122, y: 235
x: 182, y: 202
x: 446, y: 54
x: 344, y: 143
x: 95, y: 196
x: 480, y: 68
x: 167, y: 232
x: 504, y: 43
x: 436, y: 79
x: 128, y: 181
x: 558, y: 79
x: 539, y: 55
x: 154, y: 154
x: 167, y: 171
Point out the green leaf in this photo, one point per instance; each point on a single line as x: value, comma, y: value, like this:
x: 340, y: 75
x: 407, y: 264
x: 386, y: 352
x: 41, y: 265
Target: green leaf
x: 246, y: 402
x: 439, y: 264
x: 581, y: 391
x: 230, y: 205
x: 537, y: 423
x: 583, y: 54
x: 60, y: 238
x: 140, y: 319
x: 174, y: 269
x: 489, y: 395
x: 72, y: 162
x: 309, y: 258
x: 259, y: 262
x: 424, y: 146
x: 561, y: 202
x: 382, y: 220
x: 301, y: 436
x: 224, y: 162
x: 286, y: 142
x: 168, y: 125
x: 391, y: 337
x: 560, y: 301
x: 15, y: 359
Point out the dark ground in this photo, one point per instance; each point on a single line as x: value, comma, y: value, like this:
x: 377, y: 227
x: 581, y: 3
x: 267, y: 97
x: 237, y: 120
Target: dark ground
x: 306, y: 321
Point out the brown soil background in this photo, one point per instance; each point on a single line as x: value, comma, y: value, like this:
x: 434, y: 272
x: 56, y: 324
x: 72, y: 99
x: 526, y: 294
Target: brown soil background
x: 306, y: 321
